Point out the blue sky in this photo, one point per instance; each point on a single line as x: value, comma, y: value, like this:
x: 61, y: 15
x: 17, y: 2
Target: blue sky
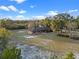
x: 21, y: 9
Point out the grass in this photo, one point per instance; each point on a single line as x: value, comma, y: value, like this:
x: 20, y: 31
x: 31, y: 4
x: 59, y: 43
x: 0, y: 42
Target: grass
x: 49, y: 41
x: 54, y: 45
x: 53, y: 36
x: 52, y: 42
x: 19, y: 35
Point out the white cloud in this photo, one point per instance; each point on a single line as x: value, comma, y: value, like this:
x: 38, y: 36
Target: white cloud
x: 18, y: 1
x: 4, y: 8
x: 49, y: 13
x: 74, y: 12
x: 71, y: 11
x: 11, y: 7
x: 32, y: 6
x: 52, y: 13
x: 22, y: 11
x: 20, y: 17
x: 7, y: 16
x: 39, y: 17
x: 8, y: 8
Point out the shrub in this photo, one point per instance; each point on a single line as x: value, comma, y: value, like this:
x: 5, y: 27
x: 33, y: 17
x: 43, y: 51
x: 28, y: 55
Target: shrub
x: 11, y: 54
x: 70, y: 55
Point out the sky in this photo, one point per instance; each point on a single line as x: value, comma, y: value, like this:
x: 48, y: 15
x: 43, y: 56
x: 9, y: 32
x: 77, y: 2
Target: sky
x: 26, y: 9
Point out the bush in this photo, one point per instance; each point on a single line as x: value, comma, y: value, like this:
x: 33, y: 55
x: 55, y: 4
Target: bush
x: 70, y: 55
x: 16, y: 26
x: 4, y: 37
x: 11, y: 54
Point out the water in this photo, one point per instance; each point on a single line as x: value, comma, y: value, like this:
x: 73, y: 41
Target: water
x: 33, y: 52
x: 30, y: 36
x: 30, y: 52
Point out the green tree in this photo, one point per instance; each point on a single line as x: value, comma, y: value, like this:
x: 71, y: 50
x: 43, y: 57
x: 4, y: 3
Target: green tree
x: 59, y: 21
x: 57, y: 24
x: 63, y: 16
x: 71, y: 25
x: 77, y: 22
x: 2, y: 23
x: 45, y: 22
x: 11, y: 54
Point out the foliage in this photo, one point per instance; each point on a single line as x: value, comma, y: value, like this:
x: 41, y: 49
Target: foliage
x: 54, y: 57
x: 11, y: 54
x: 59, y: 21
x: 2, y: 23
x: 4, y: 33
x: 46, y: 22
x: 10, y: 24
x: 7, y: 53
x: 57, y: 24
x: 70, y: 56
x: 63, y: 16
x: 4, y: 37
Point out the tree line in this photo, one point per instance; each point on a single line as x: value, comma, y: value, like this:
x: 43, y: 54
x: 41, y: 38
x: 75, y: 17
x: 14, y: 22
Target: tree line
x: 57, y: 22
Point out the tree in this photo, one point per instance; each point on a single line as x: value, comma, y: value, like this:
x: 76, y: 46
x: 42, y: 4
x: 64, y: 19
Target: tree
x: 60, y: 21
x: 46, y: 22
x: 63, y: 16
x: 57, y: 24
x: 71, y: 25
x: 12, y: 53
x: 3, y: 23
x: 77, y: 21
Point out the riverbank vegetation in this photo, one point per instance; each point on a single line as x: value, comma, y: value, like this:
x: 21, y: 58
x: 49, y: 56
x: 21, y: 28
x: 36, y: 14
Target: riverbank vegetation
x: 13, y: 53
x: 5, y: 52
x: 54, y: 33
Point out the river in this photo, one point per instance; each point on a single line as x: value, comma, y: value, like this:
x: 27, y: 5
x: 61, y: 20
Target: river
x: 33, y: 52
